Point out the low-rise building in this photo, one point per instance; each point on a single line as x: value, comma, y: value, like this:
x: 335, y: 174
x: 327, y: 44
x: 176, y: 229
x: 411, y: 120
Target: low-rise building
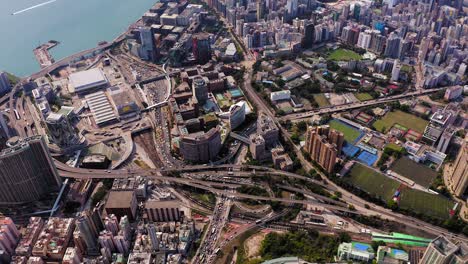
x: 355, y: 251
x: 85, y: 81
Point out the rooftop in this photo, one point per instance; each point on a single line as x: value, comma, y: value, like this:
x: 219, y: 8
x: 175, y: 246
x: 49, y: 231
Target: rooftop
x: 120, y: 199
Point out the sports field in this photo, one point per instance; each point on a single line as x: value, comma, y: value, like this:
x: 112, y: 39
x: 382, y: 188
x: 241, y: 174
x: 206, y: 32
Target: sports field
x: 426, y: 203
x: 372, y: 182
x: 363, y: 96
x: 416, y: 172
x: 350, y: 133
x: 321, y: 100
x: 344, y: 55
x: 402, y: 118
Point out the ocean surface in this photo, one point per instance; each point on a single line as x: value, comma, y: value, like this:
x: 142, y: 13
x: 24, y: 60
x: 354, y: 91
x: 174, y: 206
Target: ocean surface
x: 76, y: 24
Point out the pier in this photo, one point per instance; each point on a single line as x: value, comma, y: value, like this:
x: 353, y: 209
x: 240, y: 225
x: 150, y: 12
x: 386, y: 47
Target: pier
x: 42, y: 53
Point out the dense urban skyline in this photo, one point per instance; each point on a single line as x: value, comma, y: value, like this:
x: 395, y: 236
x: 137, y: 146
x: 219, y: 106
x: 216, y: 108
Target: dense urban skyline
x: 228, y: 131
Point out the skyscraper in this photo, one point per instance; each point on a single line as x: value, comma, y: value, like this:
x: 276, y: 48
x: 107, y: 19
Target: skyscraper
x: 201, y: 47
x: 324, y: 145
x: 147, y: 49
x: 260, y: 9
x: 27, y: 171
x: 392, y: 49
x: 458, y: 181
x: 90, y: 224
x: 5, y: 85
x: 309, y: 32
x: 291, y: 7
x: 200, y: 89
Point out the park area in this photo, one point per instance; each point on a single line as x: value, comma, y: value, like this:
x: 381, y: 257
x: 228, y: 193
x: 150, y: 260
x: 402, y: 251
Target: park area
x: 416, y: 172
x: 372, y: 182
x: 404, y: 119
x: 363, y: 96
x: 344, y: 55
x: 321, y: 100
x: 350, y: 133
x: 426, y: 203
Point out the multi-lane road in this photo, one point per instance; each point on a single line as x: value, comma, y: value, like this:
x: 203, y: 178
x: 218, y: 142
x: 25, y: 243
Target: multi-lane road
x: 345, y: 107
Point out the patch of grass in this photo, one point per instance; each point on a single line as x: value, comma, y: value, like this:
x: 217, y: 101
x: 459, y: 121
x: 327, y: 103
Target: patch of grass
x: 344, y: 55
x: 398, y: 117
x: 363, y: 96
x: 207, y: 198
x: 350, y: 134
x: 416, y: 172
x: 394, y: 147
x: 372, y: 182
x: 141, y: 164
x: 426, y: 203
x: 321, y: 100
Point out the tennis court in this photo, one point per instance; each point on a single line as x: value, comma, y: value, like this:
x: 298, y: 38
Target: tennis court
x: 367, y: 158
x: 349, y: 149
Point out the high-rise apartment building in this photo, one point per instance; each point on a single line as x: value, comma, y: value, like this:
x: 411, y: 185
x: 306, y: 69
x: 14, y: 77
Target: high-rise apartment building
x: 27, y: 171
x: 89, y: 224
x: 324, y: 145
x: 443, y: 251
x: 458, y: 181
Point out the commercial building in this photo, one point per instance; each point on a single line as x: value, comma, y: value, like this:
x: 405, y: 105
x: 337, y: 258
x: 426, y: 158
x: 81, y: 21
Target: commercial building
x: 458, y: 180
x: 200, y: 89
x: 60, y: 129
x: 122, y: 203
x: 27, y: 171
x: 264, y: 139
x: 442, y: 251
x: 101, y: 108
x: 355, y: 251
x: 163, y: 211
x: 280, y: 95
x: 5, y: 86
x: 147, y: 49
x: 324, y: 145
x: 453, y: 92
x: 84, y: 81
x: 200, y: 146
x: 201, y: 47
x: 237, y: 114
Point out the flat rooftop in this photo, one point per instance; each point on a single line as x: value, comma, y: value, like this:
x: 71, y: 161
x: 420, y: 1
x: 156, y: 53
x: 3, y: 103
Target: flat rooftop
x: 87, y: 79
